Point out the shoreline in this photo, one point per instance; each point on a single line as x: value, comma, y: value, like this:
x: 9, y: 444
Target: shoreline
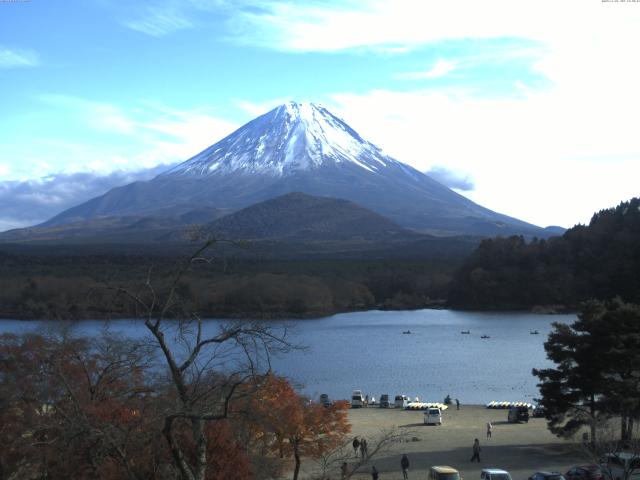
x: 261, y: 316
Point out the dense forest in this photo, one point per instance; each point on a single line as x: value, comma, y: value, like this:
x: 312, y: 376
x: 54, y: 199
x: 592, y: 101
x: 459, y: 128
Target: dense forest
x: 601, y: 261
x: 82, y: 286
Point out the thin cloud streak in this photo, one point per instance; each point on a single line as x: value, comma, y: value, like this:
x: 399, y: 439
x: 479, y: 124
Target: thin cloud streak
x: 18, y: 58
x: 158, y: 21
x: 440, y: 68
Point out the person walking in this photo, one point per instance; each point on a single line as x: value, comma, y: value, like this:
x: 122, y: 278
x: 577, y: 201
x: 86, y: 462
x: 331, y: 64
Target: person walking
x: 489, y: 429
x: 363, y: 448
x: 476, y: 450
x: 343, y: 470
x: 356, y: 445
x: 374, y: 473
x: 457, y: 404
x: 404, y: 463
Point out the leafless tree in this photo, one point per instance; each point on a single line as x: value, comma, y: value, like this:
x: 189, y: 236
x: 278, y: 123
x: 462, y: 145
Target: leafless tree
x: 618, y: 459
x: 206, y: 363
x: 378, y: 446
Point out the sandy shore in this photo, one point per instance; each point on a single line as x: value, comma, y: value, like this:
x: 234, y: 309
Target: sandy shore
x: 520, y: 449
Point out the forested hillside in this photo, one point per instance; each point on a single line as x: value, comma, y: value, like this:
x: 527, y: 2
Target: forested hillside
x: 601, y: 260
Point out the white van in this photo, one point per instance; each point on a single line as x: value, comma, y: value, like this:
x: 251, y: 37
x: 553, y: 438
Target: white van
x: 433, y: 416
x: 494, y: 474
x: 357, y: 399
x: 402, y: 401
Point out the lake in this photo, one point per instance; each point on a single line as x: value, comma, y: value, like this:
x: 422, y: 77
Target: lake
x: 368, y: 351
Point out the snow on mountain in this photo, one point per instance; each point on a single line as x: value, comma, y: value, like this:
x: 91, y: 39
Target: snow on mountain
x: 300, y: 147
x: 291, y: 137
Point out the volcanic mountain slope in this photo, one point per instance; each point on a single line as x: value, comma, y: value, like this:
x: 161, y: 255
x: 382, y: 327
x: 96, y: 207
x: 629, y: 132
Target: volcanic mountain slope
x: 300, y: 217
x: 301, y: 148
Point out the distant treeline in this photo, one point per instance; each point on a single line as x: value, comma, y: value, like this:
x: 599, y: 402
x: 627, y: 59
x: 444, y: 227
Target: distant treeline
x: 598, y: 261
x: 83, y: 286
x: 601, y: 261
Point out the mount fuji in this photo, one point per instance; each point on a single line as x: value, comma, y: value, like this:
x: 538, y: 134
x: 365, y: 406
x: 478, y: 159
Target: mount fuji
x: 299, y: 147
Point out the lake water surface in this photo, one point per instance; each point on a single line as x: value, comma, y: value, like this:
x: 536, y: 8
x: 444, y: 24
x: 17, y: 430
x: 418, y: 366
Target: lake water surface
x: 368, y: 351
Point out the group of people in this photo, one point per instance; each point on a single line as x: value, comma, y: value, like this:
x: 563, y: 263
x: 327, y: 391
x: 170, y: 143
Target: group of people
x: 447, y: 401
x: 375, y: 475
x: 476, y: 443
x: 360, y: 444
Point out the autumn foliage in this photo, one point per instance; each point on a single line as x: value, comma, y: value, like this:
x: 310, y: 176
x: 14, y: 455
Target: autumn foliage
x: 288, y: 425
x: 79, y: 408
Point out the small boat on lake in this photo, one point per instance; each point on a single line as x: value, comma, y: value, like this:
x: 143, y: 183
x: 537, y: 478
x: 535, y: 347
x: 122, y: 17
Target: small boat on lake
x: 485, y: 336
x: 408, y: 332
x: 534, y: 332
x: 465, y: 332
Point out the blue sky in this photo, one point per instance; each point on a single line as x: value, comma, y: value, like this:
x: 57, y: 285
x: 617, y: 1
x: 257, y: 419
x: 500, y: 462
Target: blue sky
x: 529, y: 108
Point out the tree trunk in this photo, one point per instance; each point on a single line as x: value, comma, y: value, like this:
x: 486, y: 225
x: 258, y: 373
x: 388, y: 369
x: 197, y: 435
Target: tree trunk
x: 624, y: 434
x: 296, y: 456
x: 593, y: 420
x: 197, y: 427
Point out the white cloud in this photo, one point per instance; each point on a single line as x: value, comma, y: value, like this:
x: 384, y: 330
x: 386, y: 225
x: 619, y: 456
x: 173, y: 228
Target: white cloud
x: 548, y: 157
x: 460, y: 181
x: 17, y: 58
x: 150, y: 135
x: 552, y: 155
x: 439, y: 69
x: 397, y: 24
x: 160, y: 20
x: 33, y: 201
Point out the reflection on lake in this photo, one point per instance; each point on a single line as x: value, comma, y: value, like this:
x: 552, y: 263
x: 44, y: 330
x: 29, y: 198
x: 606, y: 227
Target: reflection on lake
x: 368, y: 351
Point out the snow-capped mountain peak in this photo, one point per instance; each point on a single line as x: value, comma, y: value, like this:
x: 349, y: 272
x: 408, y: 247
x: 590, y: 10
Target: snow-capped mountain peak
x: 291, y: 137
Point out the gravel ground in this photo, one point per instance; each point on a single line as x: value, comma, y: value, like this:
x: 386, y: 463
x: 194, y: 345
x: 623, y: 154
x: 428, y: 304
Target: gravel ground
x: 520, y: 449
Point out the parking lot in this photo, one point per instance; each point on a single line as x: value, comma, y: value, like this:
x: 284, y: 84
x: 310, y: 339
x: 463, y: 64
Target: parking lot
x: 520, y: 449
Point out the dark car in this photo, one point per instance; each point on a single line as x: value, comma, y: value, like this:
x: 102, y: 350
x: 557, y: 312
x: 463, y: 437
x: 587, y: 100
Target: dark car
x: 325, y: 400
x: 547, y: 476
x: 384, y: 401
x: 518, y: 414
x: 585, y: 472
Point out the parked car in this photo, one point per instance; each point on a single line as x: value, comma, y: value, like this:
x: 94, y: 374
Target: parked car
x: 547, y: 476
x: 384, y: 400
x: 401, y: 401
x: 518, y: 414
x: 443, y: 472
x: 325, y: 400
x: 585, y: 472
x: 618, y: 465
x: 357, y: 399
x: 494, y: 474
x: 433, y: 416
x: 537, y: 412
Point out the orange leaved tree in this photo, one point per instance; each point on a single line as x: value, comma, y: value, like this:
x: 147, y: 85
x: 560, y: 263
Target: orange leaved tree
x: 292, y: 426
